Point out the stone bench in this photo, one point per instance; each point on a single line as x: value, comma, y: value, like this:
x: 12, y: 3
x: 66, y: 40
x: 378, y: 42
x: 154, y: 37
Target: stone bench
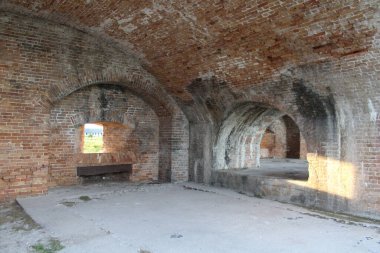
x: 103, y: 169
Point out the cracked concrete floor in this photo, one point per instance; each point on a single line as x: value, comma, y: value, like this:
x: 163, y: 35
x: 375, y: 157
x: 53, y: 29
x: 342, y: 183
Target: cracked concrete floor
x: 119, y: 217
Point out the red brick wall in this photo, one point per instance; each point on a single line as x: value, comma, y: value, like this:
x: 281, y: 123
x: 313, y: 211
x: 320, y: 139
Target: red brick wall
x: 240, y: 42
x: 267, y: 145
x: 116, y: 137
x: 130, y: 129
x: 273, y: 143
x: 316, y: 61
x: 42, y: 63
x: 279, y: 138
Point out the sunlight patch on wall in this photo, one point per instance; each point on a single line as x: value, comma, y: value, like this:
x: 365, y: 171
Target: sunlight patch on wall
x: 330, y: 175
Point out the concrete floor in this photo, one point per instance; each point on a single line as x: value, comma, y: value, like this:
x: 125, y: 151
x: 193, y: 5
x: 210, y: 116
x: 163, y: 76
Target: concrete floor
x: 119, y: 217
x: 279, y: 168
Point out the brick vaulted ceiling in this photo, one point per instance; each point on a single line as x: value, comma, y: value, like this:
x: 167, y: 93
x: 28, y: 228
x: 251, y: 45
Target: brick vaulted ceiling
x: 242, y: 42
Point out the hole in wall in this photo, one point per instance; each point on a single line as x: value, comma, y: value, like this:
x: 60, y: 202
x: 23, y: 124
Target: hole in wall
x: 92, y: 138
x: 104, y: 153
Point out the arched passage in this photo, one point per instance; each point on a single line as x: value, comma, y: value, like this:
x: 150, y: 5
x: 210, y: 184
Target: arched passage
x: 248, y: 131
x: 283, y: 139
x: 283, y: 150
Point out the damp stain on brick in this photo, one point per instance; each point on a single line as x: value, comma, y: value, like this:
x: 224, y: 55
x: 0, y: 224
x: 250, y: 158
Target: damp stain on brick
x: 310, y: 104
x: 103, y: 105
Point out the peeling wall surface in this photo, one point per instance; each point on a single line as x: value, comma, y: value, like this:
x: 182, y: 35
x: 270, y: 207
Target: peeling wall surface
x: 211, y: 77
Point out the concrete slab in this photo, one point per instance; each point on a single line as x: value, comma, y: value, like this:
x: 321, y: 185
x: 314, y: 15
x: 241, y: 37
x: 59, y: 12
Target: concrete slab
x: 280, y: 168
x: 119, y: 217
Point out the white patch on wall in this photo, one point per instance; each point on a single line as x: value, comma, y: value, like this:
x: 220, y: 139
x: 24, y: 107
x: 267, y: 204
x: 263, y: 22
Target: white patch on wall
x: 372, y: 112
x: 207, y: 75
x: 229, y: 63
x: 126, y: 25
x: 342, y: 118
x: 152, y: 14
x: 315, y: 29
x: 106, y: 24
x: 78, y: 119
x: 124, y: 21
x: 147, y: 11
x: 128, y: 28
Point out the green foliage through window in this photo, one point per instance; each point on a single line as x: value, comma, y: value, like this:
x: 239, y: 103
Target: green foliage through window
x: 93, y: 138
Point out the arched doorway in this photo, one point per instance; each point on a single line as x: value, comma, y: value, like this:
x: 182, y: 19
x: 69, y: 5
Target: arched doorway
x: 260, y: 140
x: 283, y: 150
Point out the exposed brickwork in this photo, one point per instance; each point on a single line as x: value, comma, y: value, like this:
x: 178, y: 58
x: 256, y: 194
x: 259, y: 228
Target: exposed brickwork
x: 130, y: 129
x: 232, y: 39
x: 273, y: 143
x: 316, y: 61
x: 293, y: 138
x: 278, y: 139
x: 326, y: 121
x: 43, y: 63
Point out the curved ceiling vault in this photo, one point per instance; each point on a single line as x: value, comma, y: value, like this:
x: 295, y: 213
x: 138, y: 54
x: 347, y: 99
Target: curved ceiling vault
x: 241, y: 42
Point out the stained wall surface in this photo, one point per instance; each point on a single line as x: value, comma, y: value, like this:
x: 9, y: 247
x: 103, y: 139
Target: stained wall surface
x: 207, y: 69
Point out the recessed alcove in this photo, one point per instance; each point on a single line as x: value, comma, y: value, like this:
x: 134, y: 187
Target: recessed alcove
x: 125, y: 131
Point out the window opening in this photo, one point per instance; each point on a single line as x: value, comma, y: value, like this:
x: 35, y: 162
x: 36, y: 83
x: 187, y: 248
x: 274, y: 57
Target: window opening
x: 93, y: 138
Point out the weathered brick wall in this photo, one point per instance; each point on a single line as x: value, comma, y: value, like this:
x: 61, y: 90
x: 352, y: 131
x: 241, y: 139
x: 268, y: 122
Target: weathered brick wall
x: 330, y: 106
x: 280, y: 138
x: 241, y: 42
x: 41, y: 64
x: 354, y: 81
x: 130, y: 133
x: 273, y: 143
x: 316, y: 61
x: 180, y: 148
x: 267, y: 145
x: 116, y: 136
x: 293, y: 138
x: 303, y: 149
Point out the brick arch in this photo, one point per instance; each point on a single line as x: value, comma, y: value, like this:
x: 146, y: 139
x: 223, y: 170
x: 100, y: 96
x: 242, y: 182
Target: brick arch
x: 321, y: 143
x: 319, y: 129
x: 246, y: 123
x: 166, y: 112
x: 315, y: 138
x: 137, y: 84
x: 314, y: 113
x: 69, y: 59
x: 320, y: 134
x: 214, y: 100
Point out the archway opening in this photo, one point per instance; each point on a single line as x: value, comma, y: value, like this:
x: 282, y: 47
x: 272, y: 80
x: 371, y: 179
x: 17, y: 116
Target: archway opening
x: 283, y: 150
x: 261, y: 141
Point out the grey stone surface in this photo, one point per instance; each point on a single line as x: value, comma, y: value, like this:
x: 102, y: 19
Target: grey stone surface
x: 119, y: 217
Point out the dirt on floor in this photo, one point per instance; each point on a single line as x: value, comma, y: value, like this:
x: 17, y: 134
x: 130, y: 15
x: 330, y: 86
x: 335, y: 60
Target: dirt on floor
x: 19, y: 233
